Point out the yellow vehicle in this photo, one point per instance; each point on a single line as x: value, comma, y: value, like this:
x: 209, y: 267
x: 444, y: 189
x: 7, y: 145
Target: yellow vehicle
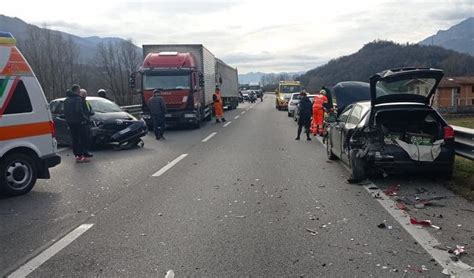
x: 284, y: 91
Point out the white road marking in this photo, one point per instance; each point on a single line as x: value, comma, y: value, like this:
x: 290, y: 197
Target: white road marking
x: 422, y: 236
x: 243, y: 112
x: 236, y: 117
x: 209, y: 137
x: 37, y: 261
x: 169, y: 165
x: 228, y: 123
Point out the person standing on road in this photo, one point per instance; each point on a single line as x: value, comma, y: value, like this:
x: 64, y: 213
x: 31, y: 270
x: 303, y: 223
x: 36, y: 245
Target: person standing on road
x: 319, y: 103
x: 87, y: 125
x: 157, y: 107
x: 304, y: 110
x: 77, y: 118
x: 218, y: 106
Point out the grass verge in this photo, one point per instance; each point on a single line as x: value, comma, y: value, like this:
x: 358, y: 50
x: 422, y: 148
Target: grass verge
x: 467, y: 121
x: 463, y: 178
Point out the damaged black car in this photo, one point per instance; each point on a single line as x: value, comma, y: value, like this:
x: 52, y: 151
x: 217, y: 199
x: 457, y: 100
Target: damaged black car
x: 109, y: 124
x: 390, y: 126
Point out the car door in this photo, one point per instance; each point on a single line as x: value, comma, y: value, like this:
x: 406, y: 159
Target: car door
x: 336, y: 131
x: 349, y: 127
x: 62, y: 129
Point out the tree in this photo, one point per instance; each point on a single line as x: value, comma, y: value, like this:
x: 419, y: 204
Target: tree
x: 54, y: 60
x: 114, y: 63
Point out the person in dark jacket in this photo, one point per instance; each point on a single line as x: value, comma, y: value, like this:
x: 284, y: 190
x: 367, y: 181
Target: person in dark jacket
x: 77, y: 118
x: 304, y: 111
x: 157, y: 107
x: 87, y: 127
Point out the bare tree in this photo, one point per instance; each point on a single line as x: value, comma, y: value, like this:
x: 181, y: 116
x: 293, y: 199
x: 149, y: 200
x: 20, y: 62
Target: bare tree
x: 115, y: 61
x: 53, y: 58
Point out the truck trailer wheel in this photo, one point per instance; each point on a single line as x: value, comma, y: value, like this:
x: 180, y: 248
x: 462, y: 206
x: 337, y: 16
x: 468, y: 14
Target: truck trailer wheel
x: 18, y: 174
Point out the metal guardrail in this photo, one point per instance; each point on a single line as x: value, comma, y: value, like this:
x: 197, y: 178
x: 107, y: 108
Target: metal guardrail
x: 133, y: 109
x: 464, y: 138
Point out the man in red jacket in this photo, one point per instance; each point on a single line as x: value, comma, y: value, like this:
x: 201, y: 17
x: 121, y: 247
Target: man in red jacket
x: 318, y: 112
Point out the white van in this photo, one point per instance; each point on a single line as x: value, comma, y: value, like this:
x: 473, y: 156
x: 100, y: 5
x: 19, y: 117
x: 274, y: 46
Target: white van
x: 27, y: 135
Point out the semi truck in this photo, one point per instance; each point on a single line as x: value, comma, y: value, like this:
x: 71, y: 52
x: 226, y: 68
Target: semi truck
x: 227, y: 80
x: 186, y: 75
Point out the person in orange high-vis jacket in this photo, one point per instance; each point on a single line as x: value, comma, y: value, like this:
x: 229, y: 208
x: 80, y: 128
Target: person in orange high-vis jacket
x: 218, y: 106
x: 319, y: 102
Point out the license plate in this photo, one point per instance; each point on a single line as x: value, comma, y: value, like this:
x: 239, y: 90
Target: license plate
x: 168, y: 115
x: 125, y: 130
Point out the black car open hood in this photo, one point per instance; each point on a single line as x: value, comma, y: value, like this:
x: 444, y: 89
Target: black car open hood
x: 394, y: 75
x: 349, y: 92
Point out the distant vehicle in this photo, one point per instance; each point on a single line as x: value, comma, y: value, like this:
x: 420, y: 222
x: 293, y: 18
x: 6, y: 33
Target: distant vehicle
x: 293, y: 103
x: 397, y: 130
x: 257, y: 88
x: 284, y: 91
x: 110, y: 124
x: 245, y: 95
x: 227, y: 80
x: 252, y: 96
x: 28, y: 146
x: 187, y: 75
x: 296, y: 114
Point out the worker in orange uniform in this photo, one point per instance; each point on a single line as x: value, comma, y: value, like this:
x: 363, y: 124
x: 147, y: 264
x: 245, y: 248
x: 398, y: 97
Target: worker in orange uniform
x: 319, y: 103
x: 218, y: 106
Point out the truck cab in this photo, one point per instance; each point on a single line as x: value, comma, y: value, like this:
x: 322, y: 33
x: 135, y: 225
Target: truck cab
x: 176, y: 74
x: 284, y: 92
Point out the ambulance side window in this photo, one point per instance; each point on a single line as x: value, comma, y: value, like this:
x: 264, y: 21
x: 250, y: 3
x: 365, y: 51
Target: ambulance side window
x: 20, y: 101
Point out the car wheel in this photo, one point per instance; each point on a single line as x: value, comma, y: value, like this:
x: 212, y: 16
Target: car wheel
x: 329, y: 152
x: 357, y: 167
x: 18, y: 174
x: 289, y: 115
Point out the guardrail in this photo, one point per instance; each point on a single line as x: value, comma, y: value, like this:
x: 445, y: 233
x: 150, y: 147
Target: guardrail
x: 133, y: 109
x: 464, y: 138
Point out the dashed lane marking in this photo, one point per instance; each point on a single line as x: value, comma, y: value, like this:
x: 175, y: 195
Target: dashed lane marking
x: 228, y: 123
x: 170, y: 165
x: 236, y: 117
x: 44, y: 256
x: 243, y: 112
x: 209, y: 137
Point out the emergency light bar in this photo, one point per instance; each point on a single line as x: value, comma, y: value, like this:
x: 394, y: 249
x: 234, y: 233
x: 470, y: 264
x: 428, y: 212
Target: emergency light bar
x: 7, y: 38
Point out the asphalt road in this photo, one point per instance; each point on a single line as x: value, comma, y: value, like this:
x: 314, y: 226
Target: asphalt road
x: 249, y: 201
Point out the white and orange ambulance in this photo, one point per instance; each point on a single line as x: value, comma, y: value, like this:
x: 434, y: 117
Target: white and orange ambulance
x: 27, y: 135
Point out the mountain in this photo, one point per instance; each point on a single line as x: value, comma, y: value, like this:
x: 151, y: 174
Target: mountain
x: 256, y: 77
x: 460, y: 37
x: 87, y: 45
x: 381, y: 55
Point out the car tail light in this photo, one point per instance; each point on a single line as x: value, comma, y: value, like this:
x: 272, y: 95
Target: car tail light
x: 52, y: 128
x: 448, y: 132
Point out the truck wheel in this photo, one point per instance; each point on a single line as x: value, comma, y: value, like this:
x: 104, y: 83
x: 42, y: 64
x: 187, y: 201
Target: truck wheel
x: 357, y: 168
x: 18, y: 174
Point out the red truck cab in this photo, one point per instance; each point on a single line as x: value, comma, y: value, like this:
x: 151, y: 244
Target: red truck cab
x: 177, y: 75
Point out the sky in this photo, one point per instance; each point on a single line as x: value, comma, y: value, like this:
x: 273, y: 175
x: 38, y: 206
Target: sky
x: 267, y: 36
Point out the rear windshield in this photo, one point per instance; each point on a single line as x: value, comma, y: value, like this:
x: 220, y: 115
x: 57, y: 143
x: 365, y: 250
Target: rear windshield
x: 415, y: 86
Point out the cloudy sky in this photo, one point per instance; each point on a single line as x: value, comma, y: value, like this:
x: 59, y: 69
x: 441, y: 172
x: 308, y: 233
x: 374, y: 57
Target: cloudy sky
x: 268, y: 36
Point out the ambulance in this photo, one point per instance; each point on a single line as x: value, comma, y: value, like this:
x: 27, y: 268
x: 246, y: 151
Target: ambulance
x: 28, y: 146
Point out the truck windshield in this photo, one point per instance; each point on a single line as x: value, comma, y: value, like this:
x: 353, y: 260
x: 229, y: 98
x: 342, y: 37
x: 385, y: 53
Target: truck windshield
x: 290, y: 89
x: 166, y: 81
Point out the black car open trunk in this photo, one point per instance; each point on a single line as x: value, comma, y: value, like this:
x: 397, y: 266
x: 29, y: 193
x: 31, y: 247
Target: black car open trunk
x: 420, y: 126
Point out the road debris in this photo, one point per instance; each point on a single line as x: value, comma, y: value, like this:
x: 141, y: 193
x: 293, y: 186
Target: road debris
x: 240, y: 216
x: 312, y: 232
x: 424, y: 223
x: 382, y: 226
x: 392, y: 190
